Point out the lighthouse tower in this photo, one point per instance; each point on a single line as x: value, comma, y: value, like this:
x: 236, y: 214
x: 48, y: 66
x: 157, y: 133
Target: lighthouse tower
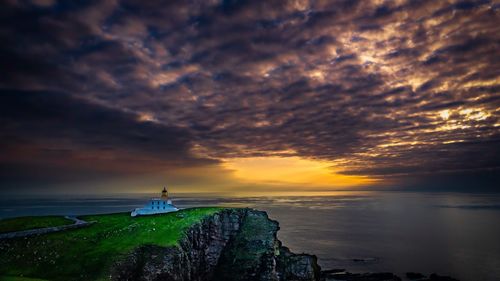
x: 164, y: 195
x: 156, y: 206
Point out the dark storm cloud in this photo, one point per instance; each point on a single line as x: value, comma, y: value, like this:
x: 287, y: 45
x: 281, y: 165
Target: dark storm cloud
x: 389, y: 89
x: 55, y: 135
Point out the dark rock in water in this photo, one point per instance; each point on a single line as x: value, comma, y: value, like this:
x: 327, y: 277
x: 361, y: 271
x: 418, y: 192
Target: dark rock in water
x: 415, y: 275
x: 364, y: 260
x: 332, y: 271
x: 334, y: 275
x: 384, y: 276
x: 234, y: 244
x: 436, y: 277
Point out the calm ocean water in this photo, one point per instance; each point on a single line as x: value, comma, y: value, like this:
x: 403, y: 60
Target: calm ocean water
x: 448, y: 233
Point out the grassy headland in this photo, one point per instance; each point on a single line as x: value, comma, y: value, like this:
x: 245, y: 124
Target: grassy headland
x: 25, y: 223
x: 87, y: 253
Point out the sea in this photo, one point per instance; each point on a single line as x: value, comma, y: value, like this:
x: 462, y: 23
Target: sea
x: 456, y: 234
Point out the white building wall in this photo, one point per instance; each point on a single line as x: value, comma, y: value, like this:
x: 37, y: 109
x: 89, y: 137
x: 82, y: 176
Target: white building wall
x: 155, y: 206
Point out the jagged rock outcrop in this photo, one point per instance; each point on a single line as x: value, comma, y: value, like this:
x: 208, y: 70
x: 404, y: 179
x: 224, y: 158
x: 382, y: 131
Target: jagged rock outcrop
x: 257, y: 254
x: 234, y: 244
x: 297, y: 266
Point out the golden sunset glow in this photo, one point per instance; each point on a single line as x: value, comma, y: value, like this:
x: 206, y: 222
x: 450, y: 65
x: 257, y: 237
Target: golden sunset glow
x: 292, y: 170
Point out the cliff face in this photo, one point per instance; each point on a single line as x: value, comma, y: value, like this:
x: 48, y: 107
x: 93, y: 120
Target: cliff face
x: 256, y: 254
x: 234, y: 244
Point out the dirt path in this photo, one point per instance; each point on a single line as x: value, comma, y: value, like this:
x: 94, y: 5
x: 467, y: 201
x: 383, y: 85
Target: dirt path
x: 78, y: 223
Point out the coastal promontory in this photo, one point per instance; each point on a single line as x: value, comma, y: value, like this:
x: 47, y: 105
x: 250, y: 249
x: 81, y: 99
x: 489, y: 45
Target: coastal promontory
x: 192, y: 244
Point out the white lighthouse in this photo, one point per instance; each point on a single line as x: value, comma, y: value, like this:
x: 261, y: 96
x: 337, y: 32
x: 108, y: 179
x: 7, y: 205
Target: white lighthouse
x: 156, y: 206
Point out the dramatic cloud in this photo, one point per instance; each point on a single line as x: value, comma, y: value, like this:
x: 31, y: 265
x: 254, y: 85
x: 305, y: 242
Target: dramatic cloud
x: 405, y: 93
x: 44, y: 132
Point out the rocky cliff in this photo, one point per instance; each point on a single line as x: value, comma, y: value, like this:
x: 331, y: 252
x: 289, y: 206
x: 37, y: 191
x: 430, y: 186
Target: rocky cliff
x: 234, y: 244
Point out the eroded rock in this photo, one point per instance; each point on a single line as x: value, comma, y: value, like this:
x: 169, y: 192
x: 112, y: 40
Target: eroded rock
x: 234, y: 244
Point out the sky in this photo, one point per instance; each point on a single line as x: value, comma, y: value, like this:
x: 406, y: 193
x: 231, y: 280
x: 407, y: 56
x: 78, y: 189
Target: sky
x: 248, y: 97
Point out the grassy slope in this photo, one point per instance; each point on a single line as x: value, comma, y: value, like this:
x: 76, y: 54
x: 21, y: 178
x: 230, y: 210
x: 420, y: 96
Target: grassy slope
x: 11, y: 278
x: 24, y: 223
x: 88, y: 253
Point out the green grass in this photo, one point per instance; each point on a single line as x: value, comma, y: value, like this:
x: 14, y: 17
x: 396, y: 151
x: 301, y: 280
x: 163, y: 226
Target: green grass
x: 88, y: 253
x: 25, y: 223
x: 12, y: 278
